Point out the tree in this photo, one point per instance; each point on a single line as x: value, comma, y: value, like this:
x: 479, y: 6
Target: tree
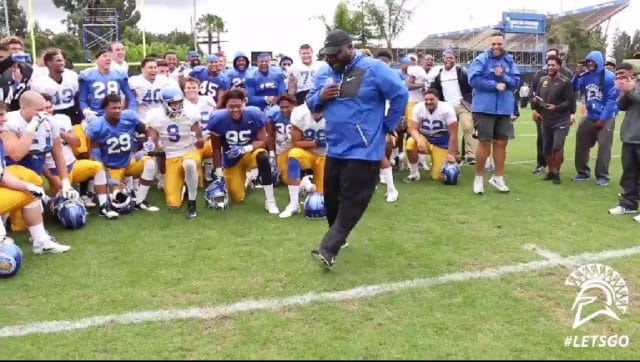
x: 76, y: 10
x: 17, y: 19
x: 621, y: 45
x: 389, y: 20
x: 571, y: 31
x: 211, y: 24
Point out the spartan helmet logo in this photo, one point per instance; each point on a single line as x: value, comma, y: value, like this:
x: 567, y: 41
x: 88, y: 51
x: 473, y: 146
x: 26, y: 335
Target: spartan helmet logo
x: 594, y: 278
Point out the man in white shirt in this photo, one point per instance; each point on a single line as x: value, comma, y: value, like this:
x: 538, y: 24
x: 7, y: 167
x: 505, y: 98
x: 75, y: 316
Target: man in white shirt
x: 204, y: 106
x: 302, y: 75
x: 452, y: 83
x: 146, y: 88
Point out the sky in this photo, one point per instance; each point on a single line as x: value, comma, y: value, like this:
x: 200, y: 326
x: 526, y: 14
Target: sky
x: 282, y: 25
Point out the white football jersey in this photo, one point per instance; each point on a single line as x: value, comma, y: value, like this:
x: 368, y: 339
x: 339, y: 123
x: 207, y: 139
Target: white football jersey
x: 63, y: 93
x: 148, y: 95
x: 311, y: 129
x: 415, y: 95
x: 42, y: 142
x: 436, y: 122
x: 175, y: 133
x: 204, y: 107
x: 305, y: 75
x: 61, y: 123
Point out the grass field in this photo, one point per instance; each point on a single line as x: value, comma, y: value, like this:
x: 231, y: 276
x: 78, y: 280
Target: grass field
x: 150, y: 262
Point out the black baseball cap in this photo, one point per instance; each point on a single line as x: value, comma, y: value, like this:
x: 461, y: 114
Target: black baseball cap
x: 334, y: 41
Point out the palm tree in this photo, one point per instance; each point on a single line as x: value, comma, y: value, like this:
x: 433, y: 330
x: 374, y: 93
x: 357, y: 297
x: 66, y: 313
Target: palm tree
x: 211, y: 24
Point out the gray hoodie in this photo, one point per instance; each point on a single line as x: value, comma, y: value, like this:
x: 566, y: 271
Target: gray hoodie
x: 630, y: 103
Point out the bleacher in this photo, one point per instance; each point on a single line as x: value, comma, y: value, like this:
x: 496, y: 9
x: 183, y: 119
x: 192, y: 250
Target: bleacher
x: 526, y: 48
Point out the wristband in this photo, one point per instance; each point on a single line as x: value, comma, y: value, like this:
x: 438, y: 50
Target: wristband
x: 248, y: 148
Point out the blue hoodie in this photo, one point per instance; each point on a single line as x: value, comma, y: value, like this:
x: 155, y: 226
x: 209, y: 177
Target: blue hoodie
x: 601, y: 105
x: 238, y: 77
x: 483, y: 80
x: 356, y: 124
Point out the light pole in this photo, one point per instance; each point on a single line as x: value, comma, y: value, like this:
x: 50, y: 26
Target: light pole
x: 6, y: 18
x: 195, y: 27
x: 362, y: 36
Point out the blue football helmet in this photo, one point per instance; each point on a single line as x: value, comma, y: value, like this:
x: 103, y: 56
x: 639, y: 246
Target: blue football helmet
x: 216, y: 195
x: 10, y: 259
x: 173, y: 101
x: 122, y: 200
x: 450, y: 173
x: 314, y: 206
x: 71, y: 213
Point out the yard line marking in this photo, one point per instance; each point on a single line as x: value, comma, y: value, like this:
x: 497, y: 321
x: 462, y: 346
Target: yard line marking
x: 367, y: 291
x: 548, y: 254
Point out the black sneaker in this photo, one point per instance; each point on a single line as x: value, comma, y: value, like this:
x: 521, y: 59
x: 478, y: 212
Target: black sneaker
x: 191, y: 209
x: 107, y: 211
x: 326, y: 262
x: 548, y: 177
x: 537, y: 170
x: 556, y: 179
x: 146, y: 206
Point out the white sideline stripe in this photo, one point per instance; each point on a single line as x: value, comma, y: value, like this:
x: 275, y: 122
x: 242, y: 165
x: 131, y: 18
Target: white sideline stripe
x: 547, y: 254
x: 300, y: 300
x: 534, y: 161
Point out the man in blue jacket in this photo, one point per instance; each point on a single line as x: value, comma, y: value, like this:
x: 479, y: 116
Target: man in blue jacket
x: 494, y: 77
x: 598, y: 86
x: 351, y: 93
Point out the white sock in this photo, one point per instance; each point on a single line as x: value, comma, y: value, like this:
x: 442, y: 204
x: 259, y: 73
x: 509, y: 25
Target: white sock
x: 128, y: 180
x: 422, y: 158
x: 394, y: 152
x: 102, y: 199
x: 141, y: 194
x: 208, y: 166
x: 413, y: 169
x: 387, y: 176
x: 479, y: 179
x: 3, y: 230
x: 38, y: 234
x: 268, y: 193
x: 191, y: 178
x: 294, y: 195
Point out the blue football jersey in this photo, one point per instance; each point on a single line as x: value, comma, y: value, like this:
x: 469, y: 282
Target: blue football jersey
x: 94, y: 86
x: 210, y: 85
x: 117, y: 142
x: 282, y: 127
x: 238, y: 78
x: 260, y: 85
x: 232, y: 133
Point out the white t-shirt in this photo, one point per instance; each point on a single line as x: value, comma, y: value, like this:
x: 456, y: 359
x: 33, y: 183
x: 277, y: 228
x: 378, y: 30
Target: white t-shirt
x: 175, y: 133
x: 450, y: 86
x: 415, y: 95
x: 43, y: 140
x: 436, y: 122
x: 61, y: 123
x: 148, y: 95
x: 305, y: 75
x: 63, y: 93
x: 124, y: 67
x: 204, y: 107
x: 311, y: 129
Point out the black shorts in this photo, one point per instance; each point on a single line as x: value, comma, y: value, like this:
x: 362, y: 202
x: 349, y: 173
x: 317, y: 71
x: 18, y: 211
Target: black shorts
x: 553, y: 137
x: 491, y: 127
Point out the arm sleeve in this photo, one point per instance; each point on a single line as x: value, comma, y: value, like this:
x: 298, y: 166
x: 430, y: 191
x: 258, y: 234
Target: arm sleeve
x: 477, y: 79
x: 83, y: 94
x: 610, y: 97
x: 313, y: 97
